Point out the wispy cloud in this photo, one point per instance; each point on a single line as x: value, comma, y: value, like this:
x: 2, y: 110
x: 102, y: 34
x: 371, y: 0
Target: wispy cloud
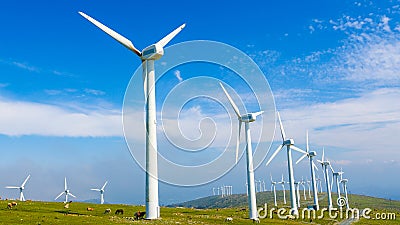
x: 94, y: 92
x: 27, y: 118
x: 177, y: 74
x: 25, y: 66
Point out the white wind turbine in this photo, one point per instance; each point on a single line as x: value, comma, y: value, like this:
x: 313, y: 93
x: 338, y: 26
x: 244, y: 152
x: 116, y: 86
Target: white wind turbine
x: 325, y: 163
x: 335, y: 176
x: 289, y: 143
x: 313, y: 167
x: 282, y: 182
x: 66, y: 192
x: 297, y: 186
x: 147, y: 55
x: 273, y: 188
x: 344, y: 183
x: 302, y: 182
x: 309, y: 187
x: 319, y: 182
x: 246, y: 119
x: 101, y: 190
x: 21, y: 188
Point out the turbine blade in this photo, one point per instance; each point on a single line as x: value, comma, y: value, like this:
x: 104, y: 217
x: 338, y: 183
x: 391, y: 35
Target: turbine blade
x: 72, y: 195
x: 12, y: 187
x: 238, y: 141
x: 235, y: 108
x: 275, y: 153
x: 315, y: 167
x: 258, y: 113
x: 59, y: 195
x: 121, y: 39
x: 307, y: 147
x: 331, y: 168
x: 171, y: 35
x: 298, y: 149
x: 271, y: 177
x: 281, y: 126
x: 323, y: 154
x: 301, y: 158
x: 105, y: 184
x: 95, y: 189
x: 27, y: 178
x: 65, y: 183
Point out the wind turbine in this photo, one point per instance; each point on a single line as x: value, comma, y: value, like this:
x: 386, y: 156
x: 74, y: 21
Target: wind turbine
x: 313, y: 167
x: 101, y: 190
x: 282, y: 182
x: 302, y: 182
x: 319, y: 182
x: 66, y: 192
x: 289, y: 143
x: 21, y: 188
x: 297, y: 186
x: 325, y: 164
x: 264, y: 186
x: 344, y: 183
x: 309, y: 187
x: 147, y: 56
x: 335, y: 176
x: 246, y: 119
x: 273, y: 184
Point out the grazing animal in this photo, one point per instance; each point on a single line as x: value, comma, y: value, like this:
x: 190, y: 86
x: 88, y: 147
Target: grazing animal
x: 66, y: 206
x: 9, y: 205
x: 256, y: 220
x: 229, y: 219
x: 119, y: 211
x: 107, y: 211
x: 14, y: 203
x: 139, y: 215
x: 89, y: 209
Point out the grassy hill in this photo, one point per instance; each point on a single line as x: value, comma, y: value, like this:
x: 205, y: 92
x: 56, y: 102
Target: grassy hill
x: 214, y: 211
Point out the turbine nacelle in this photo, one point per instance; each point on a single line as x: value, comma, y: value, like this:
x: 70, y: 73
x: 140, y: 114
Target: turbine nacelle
x: 152, y: 52
x: 312, y: 154
x: 288, y: 142
x: 251, y: 117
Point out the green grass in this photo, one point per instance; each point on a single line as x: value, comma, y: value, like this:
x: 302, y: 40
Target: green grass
x: 31, y: 212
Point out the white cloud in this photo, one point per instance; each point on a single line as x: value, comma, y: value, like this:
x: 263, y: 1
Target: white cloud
x: 29, y: 118
x: 94, y: 92
x: 177, y: 74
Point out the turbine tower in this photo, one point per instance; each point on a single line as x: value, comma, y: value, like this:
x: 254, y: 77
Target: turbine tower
x: 282, y: 182
x: 310, y: 156
x: 101, y: 190
x: 147, y: 56
x: 273, y: 184
x: 289, y: 143
x: 246, y: 119
x: 66, y: 192
x: 297, y: 186
x: 325, y: 164
x: 21, y: 188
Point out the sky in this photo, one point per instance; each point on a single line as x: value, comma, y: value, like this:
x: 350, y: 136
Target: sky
x: 332, y: 69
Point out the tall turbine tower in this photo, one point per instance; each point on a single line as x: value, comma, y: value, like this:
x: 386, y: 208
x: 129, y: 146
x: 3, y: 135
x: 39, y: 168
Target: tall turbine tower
x: 310, y: 156
x: 289, y: 143
x: 101, y: 190
x: 66, y: 192
x: 147, y: 55
x: 246, y: 119
x: 325, y: 164
x: 21, y: 188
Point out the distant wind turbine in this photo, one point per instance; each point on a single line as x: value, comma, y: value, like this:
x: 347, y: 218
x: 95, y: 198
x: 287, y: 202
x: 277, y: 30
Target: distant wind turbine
x: 325, y: 163
x: 289, y: 143
x: 273, y: 188
x: 313, y: 167
x: 101, y: 190
x: 66, y: 192
x: 282, y: 182
x: 246, y: 119
x: 21, y: 188
x: 344, y: 183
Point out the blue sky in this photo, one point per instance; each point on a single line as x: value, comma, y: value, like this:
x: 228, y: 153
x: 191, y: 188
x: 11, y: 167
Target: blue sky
x: 332, y: 67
